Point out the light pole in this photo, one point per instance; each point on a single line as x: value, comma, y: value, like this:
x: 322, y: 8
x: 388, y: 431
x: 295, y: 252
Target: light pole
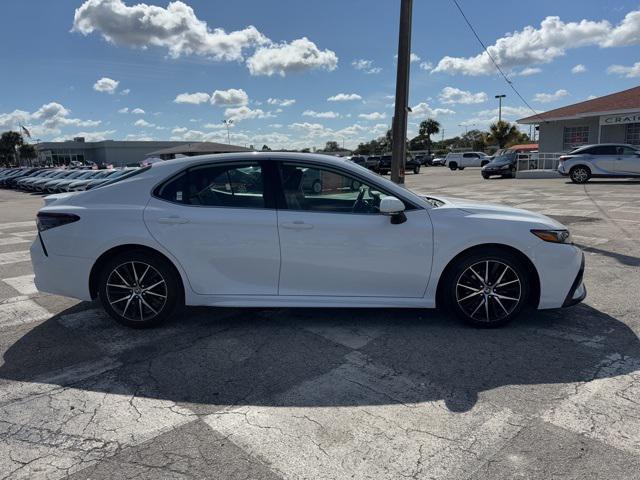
x: 228, y: 123
x: 500, y: 97
x: 399, y: 129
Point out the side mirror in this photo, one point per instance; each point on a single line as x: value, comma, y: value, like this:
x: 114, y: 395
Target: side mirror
x: 393, y: 207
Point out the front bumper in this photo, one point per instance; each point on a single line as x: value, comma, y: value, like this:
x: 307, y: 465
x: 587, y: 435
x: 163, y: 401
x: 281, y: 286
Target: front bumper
x: 562, y: 170
x: 577, y: 292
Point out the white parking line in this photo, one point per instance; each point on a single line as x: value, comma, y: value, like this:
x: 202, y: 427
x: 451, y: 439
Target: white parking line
x: 12, y: 240
x: 14, y: 257
x: 21, y: 310
x: 30, y: 223
x: 24, y: 284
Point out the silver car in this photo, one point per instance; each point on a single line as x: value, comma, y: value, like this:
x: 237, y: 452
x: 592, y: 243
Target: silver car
x: 602, y: 160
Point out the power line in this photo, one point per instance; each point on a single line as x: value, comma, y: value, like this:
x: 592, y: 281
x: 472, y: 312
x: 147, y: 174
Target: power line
x: 504, y: 75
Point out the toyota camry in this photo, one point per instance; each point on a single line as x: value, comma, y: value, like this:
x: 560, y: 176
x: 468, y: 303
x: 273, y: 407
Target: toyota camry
x: 296, y: 230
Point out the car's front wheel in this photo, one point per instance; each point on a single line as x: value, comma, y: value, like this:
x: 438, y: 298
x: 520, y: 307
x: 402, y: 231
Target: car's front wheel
x: 487, y: 288
x: 139, y: 289
x: 580, y: 174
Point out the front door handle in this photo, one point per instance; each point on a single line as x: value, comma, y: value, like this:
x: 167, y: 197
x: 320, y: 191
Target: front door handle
x: 297, y: 225
x: 173, y: 220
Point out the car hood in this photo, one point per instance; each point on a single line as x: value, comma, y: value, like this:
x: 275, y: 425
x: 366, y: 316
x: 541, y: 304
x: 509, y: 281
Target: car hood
x: 493, y: 210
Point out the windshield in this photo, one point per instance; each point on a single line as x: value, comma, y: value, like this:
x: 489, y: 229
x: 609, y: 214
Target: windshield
x: 504, y: 159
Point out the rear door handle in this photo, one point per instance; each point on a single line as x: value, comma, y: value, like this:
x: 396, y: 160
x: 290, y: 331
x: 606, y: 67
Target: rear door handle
x: 297, y: 225
x: 173, y: 220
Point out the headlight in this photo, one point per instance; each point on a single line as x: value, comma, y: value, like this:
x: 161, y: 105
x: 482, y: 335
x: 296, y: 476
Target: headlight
x: 554, y: 236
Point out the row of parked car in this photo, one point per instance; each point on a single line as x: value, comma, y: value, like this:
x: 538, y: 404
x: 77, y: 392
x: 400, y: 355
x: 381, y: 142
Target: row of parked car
x: 56, y: 180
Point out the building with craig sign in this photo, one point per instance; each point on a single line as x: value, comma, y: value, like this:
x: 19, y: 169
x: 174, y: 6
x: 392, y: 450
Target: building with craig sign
x: 614, y: 118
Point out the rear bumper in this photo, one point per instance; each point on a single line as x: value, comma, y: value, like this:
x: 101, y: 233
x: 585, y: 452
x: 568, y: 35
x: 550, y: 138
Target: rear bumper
x: 577, y: 292
x: 60, y: 275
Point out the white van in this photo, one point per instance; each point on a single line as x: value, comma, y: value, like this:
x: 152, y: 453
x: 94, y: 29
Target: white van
x: 461, y: 160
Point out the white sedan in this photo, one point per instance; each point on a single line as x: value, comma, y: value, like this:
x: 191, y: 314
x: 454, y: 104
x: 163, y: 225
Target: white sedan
x: 295, y: 230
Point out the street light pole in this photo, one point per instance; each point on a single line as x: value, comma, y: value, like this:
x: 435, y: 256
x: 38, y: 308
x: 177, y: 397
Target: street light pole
x: 399, y: 129
x: 227, y: 124
x: 500, y: 97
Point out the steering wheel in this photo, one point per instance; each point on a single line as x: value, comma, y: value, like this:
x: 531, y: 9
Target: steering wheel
x: 359, y: 201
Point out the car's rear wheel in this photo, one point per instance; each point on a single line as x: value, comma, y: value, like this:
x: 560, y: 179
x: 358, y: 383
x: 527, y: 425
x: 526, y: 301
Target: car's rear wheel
x: 487, y: 288
x: 139, y: 289
x: 580, y: 174
x: 453, y: 165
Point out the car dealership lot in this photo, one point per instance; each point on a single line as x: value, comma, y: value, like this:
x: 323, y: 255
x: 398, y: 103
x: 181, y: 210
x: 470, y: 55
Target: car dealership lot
x: 297, y: 393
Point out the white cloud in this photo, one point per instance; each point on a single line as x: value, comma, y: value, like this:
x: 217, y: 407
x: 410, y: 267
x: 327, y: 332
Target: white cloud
x: 88, y: 136
x: 344, y: 97
x: 139, y: 137
x: 299, y: 55
x: 412, y: 58
x: 175, y: 28
x: 550, y: 97
x: 580, y: 68
x: 311, y: 129
x: 238, y: 114
x: 507, y: 111
x: 275, y: 125
x: 179, y: 130
x: 231, y: 97
x: 47, y: 120
x: 126, y: 91
x: 216, y: 126
x: 106, y: 85
x: 144, y: 124
x: 365, y: 66
x: 426, y: 66
x: 423, y: 109
x: 137, y: 111
x: 373, y: 116
x: 283, y: 102
x: 527, y: 72
x: 632, y: 71
x: 314, y: 114
x: 452, y: 95
x: 192, y: 98
x: 544, y: 44
x: 124, y: 110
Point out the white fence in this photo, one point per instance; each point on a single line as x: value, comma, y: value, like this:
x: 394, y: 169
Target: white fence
x: 538, y: 161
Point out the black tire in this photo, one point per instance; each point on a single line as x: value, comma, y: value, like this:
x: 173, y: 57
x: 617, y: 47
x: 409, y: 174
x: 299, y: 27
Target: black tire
x: 580, y: 174
x: 416, y: 169
x: 460, y: 288
x: 461, y: 168
x: 140, y: 309
x: 453, y: 165
x: 485, y: 176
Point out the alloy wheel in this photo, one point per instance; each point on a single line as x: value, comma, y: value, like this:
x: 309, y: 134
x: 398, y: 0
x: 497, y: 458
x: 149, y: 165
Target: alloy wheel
x: 580, y: 175
x: 136, y: 291
x: 488, y: 291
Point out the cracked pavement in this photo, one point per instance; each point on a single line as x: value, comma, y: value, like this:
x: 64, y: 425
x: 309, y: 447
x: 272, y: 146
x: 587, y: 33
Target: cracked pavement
x: 330, y: 393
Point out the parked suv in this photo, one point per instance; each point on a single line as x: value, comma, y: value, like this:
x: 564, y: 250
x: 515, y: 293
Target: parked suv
x: 461, y: 160
x: 371, y: 162
x: 410, y: 165
x: 602, y: 160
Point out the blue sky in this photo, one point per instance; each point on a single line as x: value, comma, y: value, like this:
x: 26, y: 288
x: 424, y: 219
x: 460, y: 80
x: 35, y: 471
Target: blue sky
x: 93, y: 67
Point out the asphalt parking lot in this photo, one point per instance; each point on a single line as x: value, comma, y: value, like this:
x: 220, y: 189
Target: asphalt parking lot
x: 297, y: 393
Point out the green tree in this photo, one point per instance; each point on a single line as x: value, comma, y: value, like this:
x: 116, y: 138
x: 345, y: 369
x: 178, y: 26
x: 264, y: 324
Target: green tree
x: 427, y: 128
x: 28, y: 152
x: 9, y: 141
x: 332, y: 146
x: 502, y: 133
x: 265, y: 148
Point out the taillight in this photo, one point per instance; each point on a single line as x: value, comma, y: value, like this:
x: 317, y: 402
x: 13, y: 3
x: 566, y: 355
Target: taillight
x: 47, y: 220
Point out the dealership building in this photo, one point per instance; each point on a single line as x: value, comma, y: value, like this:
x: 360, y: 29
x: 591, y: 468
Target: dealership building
x: 107, y: 152
x: 614, y: 118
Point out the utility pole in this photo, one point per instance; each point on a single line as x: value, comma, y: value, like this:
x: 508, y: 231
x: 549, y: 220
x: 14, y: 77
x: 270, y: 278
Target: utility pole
x: 399, y: 129
x: 500, y: 97
x: 228, y: 123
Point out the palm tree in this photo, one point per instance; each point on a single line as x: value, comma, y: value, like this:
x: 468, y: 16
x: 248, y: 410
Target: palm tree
x: 429, y: 127
x: 502, y: 133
